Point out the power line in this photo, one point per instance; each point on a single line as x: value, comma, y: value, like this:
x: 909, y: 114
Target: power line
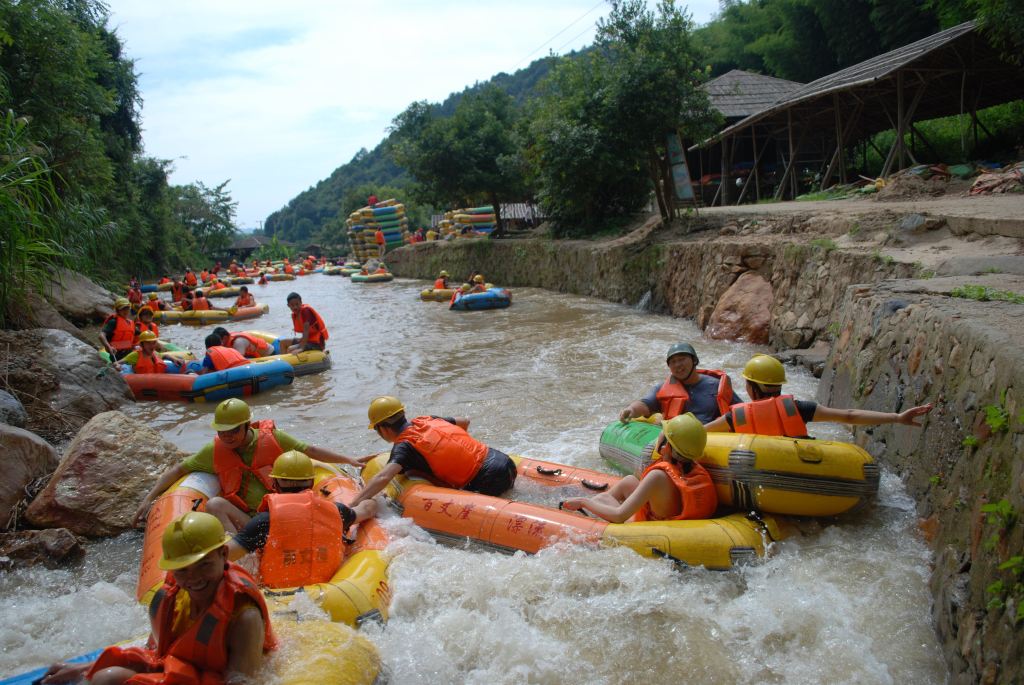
x: 576, y: 21
x: 569, y: 42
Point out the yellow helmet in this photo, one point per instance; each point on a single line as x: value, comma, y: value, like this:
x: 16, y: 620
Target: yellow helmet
x: 444, y: 273
x: 292, y: 465
x: 190, y: 538
x: 154, y: 296
x: 121, y: 303
x: 686, y: 434
x: 464, y: 287
x: 383, y: 408
x: 146, y: 309
x: 147, y: 336
x: 230, y: 414
x: 764, y: 370
x: 478, y: 279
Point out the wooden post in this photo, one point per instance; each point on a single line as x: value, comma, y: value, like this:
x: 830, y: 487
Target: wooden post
x: 780, y: 191
x: 725, y: 179
x: 899, y: 120
x: 757, y: 160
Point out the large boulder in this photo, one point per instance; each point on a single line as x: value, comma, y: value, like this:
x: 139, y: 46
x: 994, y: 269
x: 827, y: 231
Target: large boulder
x: 51, y: 548
x: 12, y: 411
x: 78, y: 298
x: 61, y: 381
x: 107, y: 468
x: 744, y: 311
x: 26, y: 457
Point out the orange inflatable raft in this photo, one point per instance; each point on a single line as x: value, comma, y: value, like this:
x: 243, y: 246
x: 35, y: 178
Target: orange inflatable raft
x: 508, y: 525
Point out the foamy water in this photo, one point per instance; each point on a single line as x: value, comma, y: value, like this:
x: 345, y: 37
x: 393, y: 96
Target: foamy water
x: 844, y: 602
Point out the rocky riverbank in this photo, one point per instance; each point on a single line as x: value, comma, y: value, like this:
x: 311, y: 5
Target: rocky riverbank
x: 870, y: 290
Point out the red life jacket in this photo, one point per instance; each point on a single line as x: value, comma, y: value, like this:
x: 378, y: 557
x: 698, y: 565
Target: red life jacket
x: 317, y: 330
x: 245, y: 300
x: 224, y: 358
x: 379, y: 237
x: 440, y: 284
x: 696, y: 492
x: 190, y: 279
x: 200, y: 304
x: 204, y: 275
x: 257, y: 347
x: 198, y: 656
x: 135, y: 296
x: 147, y: 364
x: 304, y: 545
x: 673, y: 397
x: 123, y: 337
x: 230, y: 467
x: 164, y: 280
x: 177, y: 291
x: 772, y: 416
x: 454, y: 456
x: 141, y: 326
x: 289, y: 269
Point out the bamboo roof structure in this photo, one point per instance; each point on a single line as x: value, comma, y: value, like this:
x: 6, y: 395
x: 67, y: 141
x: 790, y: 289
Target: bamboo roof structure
x: 738, y: 94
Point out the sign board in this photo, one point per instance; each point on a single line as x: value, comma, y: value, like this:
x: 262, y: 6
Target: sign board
x: 680, y: 171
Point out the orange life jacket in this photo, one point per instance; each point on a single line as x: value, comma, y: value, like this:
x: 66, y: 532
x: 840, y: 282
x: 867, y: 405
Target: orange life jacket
x: 147, y: 364
x: 177, y: 291
x: 123, y: 337
x: 135, y: 296
x: 673, y: 397
x: 164, y: 280
x: 230, y: 467
x: 198, y: 656
x: 225, y: 357
x: 190, y: 279
x: 304, y: 544
x: 245, y: 300
x: 289, y: 269
x: 200, y: 304
x: 379, y: 237
x: 454, y: 456
x: 317, y: 331
x: 257, y: 347
x: 772, y: 416
x: 204, y: 275
x: 696, y: 492
x: 440, y: 284
x: 141, y: 326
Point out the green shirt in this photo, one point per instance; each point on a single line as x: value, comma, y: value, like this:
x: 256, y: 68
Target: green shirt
x: 252, y: 489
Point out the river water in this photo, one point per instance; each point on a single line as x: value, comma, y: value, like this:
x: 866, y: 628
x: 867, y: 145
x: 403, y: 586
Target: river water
x: 844, y: 602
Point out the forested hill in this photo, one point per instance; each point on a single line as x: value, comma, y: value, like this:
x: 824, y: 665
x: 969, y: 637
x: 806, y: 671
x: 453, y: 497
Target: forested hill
x: 316, y: 214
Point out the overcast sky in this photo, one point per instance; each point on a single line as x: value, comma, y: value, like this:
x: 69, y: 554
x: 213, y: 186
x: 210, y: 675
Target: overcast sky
x: 276, y: 95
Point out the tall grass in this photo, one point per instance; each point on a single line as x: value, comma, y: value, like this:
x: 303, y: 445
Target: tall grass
x: 39, y: 232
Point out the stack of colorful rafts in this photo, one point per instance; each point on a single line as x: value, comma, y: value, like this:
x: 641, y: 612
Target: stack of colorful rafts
x: 388, y: 216
x: 469, y: 222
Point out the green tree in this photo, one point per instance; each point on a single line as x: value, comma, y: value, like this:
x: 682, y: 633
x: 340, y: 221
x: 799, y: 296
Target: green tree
x: 597, y: 138
x: 207, y: 213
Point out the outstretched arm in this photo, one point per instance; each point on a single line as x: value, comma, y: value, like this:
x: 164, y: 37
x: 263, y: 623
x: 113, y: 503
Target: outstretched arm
x: 719, y: 425
x: 332, y: 457
x: 377, y: 483
x: 635, y: 410
x: 166, y: 480
x: 864, y: 417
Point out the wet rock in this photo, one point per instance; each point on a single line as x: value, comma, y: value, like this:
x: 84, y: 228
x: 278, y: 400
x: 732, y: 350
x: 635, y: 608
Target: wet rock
x: 919, y: 223
x: 79, y: 299
x: 51, y: 548
x: 12, y: 412
x: 61, y: 381
x: 106, y: 470
x: 744, y: 312
x: 813, y: 358
x: 26, y: 456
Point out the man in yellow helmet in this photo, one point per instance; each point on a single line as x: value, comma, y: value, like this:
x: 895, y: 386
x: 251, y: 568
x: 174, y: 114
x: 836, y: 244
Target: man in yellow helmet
x: 241, y: 455
x: 438, y: 447
x: 210, y: 624
x: 300, y: 532
x: 118, y: 333
x: 442, y: 281
x: 771, y: 413
x: 478, y: 284
x: 673, y: 488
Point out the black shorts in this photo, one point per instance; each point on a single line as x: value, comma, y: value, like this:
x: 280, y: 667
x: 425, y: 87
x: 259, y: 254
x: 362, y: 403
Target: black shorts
x: 496, y: 475
x: 313, y: 346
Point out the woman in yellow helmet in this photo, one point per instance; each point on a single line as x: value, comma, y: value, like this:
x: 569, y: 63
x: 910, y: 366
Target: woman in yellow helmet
x: 673, y: 488
x: 771, y: 413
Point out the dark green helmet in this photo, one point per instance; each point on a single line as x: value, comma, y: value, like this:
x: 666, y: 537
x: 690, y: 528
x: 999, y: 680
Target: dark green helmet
x: 682, y: 348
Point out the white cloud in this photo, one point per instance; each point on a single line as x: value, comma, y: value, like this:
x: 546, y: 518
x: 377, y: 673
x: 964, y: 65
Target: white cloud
x: 276, y: 96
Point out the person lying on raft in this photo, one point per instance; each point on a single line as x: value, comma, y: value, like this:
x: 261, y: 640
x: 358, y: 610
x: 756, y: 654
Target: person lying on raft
x: 209, y: 622
x: 295, y: 517
x: 438, y: 448
x: 772, y: 413
x: 241, y: 456
x: 673, y: 488
x: 221, y: 358
x: 248, y: 345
